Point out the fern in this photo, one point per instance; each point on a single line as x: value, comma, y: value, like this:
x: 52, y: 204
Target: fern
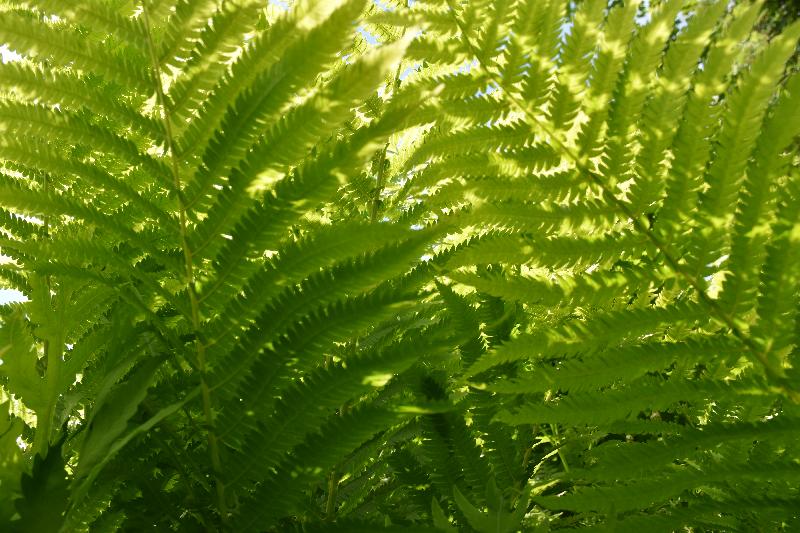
x: 360, y: 266
x: 650, y: 116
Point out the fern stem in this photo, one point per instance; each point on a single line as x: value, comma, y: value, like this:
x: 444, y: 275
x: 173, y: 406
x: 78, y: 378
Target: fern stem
x: 44, y: 421
x: 581, y: 164
x: 376, y: 199
x: 381, y: 177
x: 330, y: 505
x: 213, y: 444
x: 554, y: 428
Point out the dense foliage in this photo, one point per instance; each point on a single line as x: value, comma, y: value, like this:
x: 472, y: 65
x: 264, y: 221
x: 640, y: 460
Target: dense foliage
x: 493, y: 266
x: 780, y: 13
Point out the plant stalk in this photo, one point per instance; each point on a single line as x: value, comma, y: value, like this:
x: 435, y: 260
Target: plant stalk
x: 330, y: 504
x: 213, y: 444
x: 44, y: 421
x: 376, y: 199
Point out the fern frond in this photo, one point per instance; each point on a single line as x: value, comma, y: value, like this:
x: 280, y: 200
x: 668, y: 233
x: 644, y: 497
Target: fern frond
x: 574, y: 63
x: 661, y: 113
x: 18, y: 227
x: 644, y: 58
x: 777, y: 307
x: 296, y: 413
x: 219, y: 41
x: 290, y: 139
x: 498, y: 442
x: 311, y: 332
x: 632, y: 460
x: 613, y: 44
x: 526, y: 26
x: 514, y: 265
x: 557, y: 251
x: 757, y: 201
x: 262, y: 101
x: 544, y: 219
x: 641, y: 396
x: 19, y: 361
x: 69, y: 128
x: 100, y: 16
x: 692, y: 145
x: 361, y: 526
x: 65, y: 47
x: 318, y: 454
x: 83, y: 257
x: 493, y: 138
x: 179, y: 34
x: 41, y: 156
x: 565, y: 290
x: 602, y: 329
x: 73, y: 91
x: 36, y: 203
x: 738, y: 136
x: 618, y: 365
x: 643, y: 494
